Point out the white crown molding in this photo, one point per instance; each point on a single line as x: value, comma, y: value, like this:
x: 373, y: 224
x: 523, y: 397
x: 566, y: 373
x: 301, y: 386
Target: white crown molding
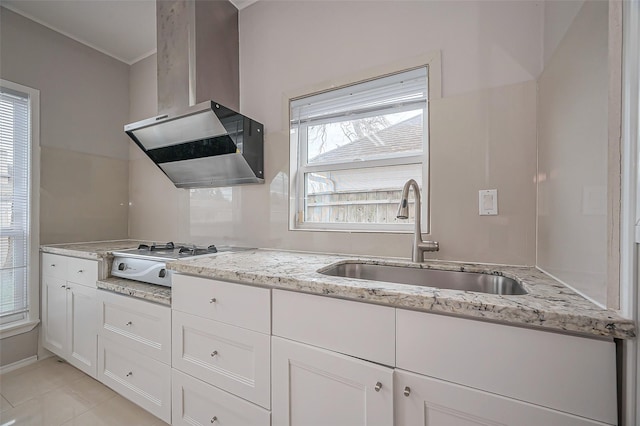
x: 143, y: 56
x: 241, y: 4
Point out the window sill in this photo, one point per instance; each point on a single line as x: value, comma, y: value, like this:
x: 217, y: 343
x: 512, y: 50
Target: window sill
x: 13, y: 329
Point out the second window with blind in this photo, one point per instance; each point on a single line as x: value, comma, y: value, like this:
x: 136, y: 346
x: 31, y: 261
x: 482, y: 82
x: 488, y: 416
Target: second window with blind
x: 355, y: 147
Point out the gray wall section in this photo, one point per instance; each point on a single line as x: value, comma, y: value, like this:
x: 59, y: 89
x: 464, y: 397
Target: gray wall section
x: 84, y: 94
x: 17, y: 348
x: 84, y: 104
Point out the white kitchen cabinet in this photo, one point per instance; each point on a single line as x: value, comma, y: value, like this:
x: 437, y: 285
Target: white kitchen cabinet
x: 140, y: 325
x: 232, y: 358
x: 422, y: 400
x: 358, y: 329
x: 222, y: 337
x: 81, y: 327
x: 139, y: 378
x: 54, y: 314
x: 313, y: 386
x: 236, y: 304
x: 69, y: 319
x: 572, y: 374
x: 134, y: 350
x: 198, y: 403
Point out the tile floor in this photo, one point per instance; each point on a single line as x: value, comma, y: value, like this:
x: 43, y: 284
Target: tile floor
x: 53, y: 393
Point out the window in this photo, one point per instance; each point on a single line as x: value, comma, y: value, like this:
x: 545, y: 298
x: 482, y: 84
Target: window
x: 355, y: 148
x: 17, y: 104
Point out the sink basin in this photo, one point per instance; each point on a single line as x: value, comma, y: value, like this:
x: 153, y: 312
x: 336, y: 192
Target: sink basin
x: 453, y: 280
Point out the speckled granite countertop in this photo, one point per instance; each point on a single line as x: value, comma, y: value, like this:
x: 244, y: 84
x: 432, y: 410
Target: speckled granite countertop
x: 548, y: 304
x: 150, y: 292
x: 91, y: 250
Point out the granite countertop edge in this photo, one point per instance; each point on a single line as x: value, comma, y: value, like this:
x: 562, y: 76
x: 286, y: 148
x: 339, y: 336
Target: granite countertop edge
x: 548, y: 305
x: 149, y: 292
x: 93, y: 250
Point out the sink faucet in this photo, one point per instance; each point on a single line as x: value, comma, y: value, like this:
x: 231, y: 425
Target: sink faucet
x: 419, y: 246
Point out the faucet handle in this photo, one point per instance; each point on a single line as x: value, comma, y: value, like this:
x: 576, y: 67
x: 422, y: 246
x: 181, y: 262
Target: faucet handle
x: 429, y: 246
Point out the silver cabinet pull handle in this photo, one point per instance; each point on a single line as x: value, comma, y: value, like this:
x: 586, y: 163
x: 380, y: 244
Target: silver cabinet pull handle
x: 128, y: 323
x: 214, y: 353
x: 212, y: 300
x: 130, y: 373
x: 53, y: 265
x: 378, y: 387
x: 68, y: 288
x: 63, y: 286
x: 407, y: 391
x: 214, y: 419
x: 80, y: 271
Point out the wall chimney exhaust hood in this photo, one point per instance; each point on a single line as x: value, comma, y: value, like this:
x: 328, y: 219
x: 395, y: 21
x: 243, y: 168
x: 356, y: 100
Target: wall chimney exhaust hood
x: 204, y: 144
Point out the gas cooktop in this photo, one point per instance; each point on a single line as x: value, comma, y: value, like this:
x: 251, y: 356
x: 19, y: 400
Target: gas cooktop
x: 147, y: 263
x: 171, y: 251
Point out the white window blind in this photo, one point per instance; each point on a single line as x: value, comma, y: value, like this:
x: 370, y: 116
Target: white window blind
x: 14, y: 204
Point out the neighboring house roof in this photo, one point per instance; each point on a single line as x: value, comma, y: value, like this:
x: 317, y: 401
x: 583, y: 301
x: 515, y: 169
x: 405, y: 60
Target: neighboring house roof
x: 400, y: 137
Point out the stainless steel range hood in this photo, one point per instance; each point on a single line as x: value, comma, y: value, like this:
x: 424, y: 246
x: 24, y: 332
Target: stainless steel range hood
x: 207, y: 144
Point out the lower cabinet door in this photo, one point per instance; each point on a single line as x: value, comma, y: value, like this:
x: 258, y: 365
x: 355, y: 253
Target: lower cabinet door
x: 197, y: 403
x: 82, y: 328
x: 54, y: 315
x: 316, y: 387
x: 422, y: 400
x: 137, y: 377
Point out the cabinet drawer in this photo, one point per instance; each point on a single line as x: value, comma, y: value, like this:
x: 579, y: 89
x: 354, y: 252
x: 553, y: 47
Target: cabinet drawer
x: 195, y: 402
x: 138, y: 378
x: 54, y: 265
x: 567, y: 373
x: 139, y: 325
x: 82, y: 271
x: 235, y: 304
x: 353, y: 328
x: 231, y: 358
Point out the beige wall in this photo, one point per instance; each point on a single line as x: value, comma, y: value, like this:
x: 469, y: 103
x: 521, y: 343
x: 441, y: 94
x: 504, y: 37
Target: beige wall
x: 558, y: 16
x: 83, y: 106
x: 572, y: 155
x: 84, y: 153
x: 483, y: 132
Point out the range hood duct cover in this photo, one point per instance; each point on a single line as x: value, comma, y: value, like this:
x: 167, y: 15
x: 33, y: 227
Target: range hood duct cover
x: 207, y: 144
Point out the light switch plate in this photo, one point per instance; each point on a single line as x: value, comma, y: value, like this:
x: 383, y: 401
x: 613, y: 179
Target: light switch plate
x: 488, y: 202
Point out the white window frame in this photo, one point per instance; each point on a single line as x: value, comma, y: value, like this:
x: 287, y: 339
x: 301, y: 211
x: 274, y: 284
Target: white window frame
x: 31, y: 319
x: 298, y: 156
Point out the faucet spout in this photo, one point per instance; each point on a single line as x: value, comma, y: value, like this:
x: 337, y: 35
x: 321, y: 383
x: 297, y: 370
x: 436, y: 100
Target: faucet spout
x: 419, y: 246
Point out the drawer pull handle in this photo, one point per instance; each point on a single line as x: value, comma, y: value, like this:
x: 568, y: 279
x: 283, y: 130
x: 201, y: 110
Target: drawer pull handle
x: 63, y: 286
x: 128, y: 323
x: 214, y: 419
x: 378, y: 387
x: 407, y: 391
x: 214, y: 353
x: 68, y: 288
x: 53, y: 265
x: 212, y: 300
x: 80, y: 271
x: 130, y: 373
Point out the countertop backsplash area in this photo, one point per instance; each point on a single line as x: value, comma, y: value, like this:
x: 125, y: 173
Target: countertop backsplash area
x: 548, y: 303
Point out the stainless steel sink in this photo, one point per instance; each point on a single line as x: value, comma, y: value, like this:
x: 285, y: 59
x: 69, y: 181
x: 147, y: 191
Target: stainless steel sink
x: 454, y: 280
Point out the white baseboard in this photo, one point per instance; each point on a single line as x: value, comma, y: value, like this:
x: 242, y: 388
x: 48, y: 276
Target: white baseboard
x: 18, y: 364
